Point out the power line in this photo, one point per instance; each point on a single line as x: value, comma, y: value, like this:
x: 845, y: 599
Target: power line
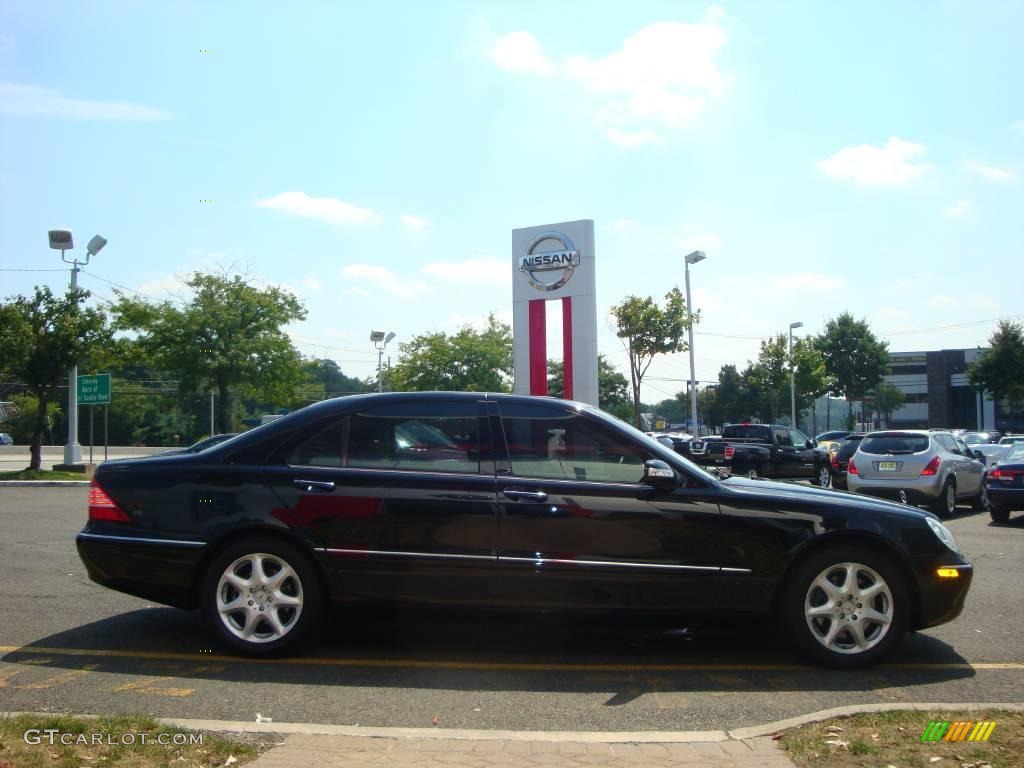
x: 15, y: 269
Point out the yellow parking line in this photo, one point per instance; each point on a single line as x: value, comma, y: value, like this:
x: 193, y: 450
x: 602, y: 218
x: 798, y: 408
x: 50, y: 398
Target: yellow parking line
x: 63, y: 677
x: 485, y: 666
x: 150, y: 686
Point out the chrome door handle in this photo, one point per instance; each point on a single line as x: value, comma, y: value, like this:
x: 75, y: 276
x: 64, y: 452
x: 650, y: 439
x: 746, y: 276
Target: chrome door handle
x: 313, y: 485
x: 536, y: 497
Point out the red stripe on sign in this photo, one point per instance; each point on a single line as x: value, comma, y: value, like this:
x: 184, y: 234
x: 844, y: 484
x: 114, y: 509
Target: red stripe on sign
x: 538, y: 348
x: 567, y: 346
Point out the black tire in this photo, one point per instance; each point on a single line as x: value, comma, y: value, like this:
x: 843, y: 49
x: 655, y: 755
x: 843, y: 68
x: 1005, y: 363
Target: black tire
x: 881, y: 639
x: 296, y: 621
x: 751, y: 472
x: 823, y: 475
x: 998, y: 514
x: 943, y: 506
x: 981, y: 502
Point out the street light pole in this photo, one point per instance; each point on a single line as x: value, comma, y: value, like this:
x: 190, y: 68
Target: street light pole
x: 62, y: 240
x: 792, y: 377
x: 692, y: 258
x: 380, y: 341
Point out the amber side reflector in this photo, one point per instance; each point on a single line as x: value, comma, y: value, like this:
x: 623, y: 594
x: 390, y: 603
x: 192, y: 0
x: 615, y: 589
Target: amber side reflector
x: 948, y: 573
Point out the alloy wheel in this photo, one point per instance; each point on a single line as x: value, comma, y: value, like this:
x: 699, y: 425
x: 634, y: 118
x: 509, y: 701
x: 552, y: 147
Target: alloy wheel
x: 849, y: 608
x: 824, y: 477
x: 259, y: 598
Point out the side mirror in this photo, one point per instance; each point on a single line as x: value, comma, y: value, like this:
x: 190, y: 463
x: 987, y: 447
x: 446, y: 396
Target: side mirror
x: 811, y: 444
x: 978, y: 455
x: 659, y: 474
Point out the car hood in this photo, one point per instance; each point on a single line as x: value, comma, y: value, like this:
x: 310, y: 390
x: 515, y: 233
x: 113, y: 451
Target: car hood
x: 808, y: 494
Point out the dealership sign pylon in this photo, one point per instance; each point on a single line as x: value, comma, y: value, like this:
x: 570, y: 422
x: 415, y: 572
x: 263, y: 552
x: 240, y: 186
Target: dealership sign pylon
x: 555, y: 262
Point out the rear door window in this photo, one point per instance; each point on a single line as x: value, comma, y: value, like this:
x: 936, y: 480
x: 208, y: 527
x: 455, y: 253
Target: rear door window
x: 895, y: 445
x: 782, y: 437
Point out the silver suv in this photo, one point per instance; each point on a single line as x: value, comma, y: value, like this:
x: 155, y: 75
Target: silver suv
x: 918, y: 467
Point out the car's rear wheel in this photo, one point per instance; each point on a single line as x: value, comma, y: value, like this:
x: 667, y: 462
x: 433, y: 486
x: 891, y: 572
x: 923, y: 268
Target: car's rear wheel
x: 260, y: 596
x: 824, y: 476
x: 847, y: 606
x: 751, y: 472
x: 998, y: 514
x: 945, y: 504
x: 981, y: 502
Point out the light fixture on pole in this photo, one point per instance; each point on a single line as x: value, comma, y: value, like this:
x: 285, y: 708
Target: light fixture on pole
x: 692, y: 258
x: 792, y: 377
x: 380, y: 341
x: 62, y: 240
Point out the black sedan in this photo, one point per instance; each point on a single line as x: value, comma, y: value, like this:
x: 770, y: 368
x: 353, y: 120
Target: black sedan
x: 1005, y: 485
x: 533, y: 503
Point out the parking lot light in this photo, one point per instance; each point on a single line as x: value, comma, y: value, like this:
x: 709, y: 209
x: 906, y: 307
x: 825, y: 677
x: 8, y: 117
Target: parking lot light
x: 692, y: 258
x: 792, y: 377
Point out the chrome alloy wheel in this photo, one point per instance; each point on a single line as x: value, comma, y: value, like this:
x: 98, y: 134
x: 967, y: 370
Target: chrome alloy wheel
x: 950, y: 498
x: 849, y: 608
x: 259, y: 598
x: 824, y: 476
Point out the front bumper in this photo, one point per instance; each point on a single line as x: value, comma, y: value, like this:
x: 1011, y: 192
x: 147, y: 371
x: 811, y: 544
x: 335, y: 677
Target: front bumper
x: 161, y: 570
x: 942, y: 599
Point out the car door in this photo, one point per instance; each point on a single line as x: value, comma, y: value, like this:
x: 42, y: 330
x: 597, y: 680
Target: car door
x: 787, y: 462
x: 577, y: 527
x: 402, y: 497
x: 804, y: 457
x: 969, y: 470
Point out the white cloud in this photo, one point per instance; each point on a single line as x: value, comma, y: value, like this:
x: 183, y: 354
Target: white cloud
x: 663, y: 72
x: 990, y: 172
x: 312, y: 283
x: 958, y: 209
x: 164, y: 288
x: 942, y: 301
x: 701, y: 241
x: 622, y: 226
x: 30, y: 101
x: 327, y: 209
x: 1017, y: 125
x: 631, y: 139
x: 807, y: 282
x: 985, y: 303
x: 895, y: 163
x: 414, y: 222
x: 482, y: 270
x: 520, y: 52
x: 380, y: 279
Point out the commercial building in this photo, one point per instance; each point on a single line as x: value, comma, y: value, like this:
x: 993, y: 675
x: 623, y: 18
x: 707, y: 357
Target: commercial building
x: 938, y: 394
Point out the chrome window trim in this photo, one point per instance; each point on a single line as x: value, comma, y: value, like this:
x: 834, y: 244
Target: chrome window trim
x: 140, y: 540
x: 386, y: 553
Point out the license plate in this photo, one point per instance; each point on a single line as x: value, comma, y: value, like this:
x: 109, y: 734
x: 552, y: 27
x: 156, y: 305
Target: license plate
x: 887, y: 466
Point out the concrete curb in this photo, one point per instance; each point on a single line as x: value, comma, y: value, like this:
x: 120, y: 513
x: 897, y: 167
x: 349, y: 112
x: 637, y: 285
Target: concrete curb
x: 45, y: 483
x: 589, y: 737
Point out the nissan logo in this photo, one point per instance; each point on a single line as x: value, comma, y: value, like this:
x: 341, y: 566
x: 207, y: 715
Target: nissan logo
x: 562, y: 262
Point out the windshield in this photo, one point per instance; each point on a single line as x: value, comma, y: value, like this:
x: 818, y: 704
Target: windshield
x: 1016, y: 453
x: 894, y: 445
x: 974, y: 438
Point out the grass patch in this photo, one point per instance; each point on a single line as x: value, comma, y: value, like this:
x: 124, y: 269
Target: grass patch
x: 894, y: 738
x: 111, y: 753
x: 41, y: 474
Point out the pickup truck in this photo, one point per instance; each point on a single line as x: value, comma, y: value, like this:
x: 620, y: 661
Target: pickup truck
x: 763, y: 450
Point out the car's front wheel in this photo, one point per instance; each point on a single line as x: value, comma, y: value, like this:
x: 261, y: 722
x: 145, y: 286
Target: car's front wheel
x: 824, y: 476
x: 260, y: 596
x: 847, y: 607
x: 981, y: 501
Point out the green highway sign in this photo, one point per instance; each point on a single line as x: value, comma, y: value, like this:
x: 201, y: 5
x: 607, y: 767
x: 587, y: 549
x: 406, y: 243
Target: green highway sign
x: 94, y: 390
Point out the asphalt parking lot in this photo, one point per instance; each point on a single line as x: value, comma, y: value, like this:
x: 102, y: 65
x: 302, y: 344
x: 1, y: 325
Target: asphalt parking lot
x: 69, y: 645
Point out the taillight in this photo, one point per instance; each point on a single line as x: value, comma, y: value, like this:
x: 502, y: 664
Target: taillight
x: 932, y: 467
x: 1005, y: 474
x: 834, y: 456
x: 851, y: 468
x: 102, y: 507
x: 730, y: 451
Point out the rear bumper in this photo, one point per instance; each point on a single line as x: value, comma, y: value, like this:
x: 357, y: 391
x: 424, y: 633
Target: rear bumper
x: 918, y: 490
x: 157, y: 569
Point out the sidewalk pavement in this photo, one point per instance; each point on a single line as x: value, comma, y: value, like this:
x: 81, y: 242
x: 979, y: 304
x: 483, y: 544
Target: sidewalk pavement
x: 322, y: 751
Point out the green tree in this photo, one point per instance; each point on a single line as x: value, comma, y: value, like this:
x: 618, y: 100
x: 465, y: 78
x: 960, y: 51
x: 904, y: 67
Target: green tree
x: 22, y: 426
x: 327, y: 376
x: 228, y: 337
x: 812, y: 379
x: 771, y: 374
x: 648, y: 330
x: 999, y: 368
x: 888, y: 398
x: 855, y: 359
x: 731, y: 399
x: 467, y: 361
x: 41, y: 337
x: 612, y: 387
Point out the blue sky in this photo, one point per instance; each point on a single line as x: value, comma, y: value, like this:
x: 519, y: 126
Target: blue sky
x: 374, y: 157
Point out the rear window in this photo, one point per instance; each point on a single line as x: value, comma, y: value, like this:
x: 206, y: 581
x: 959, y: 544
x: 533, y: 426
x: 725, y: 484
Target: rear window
x: 746, y: 431
x: 894, y: 444
x: 849, y: 447
x: 1016, y: 453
